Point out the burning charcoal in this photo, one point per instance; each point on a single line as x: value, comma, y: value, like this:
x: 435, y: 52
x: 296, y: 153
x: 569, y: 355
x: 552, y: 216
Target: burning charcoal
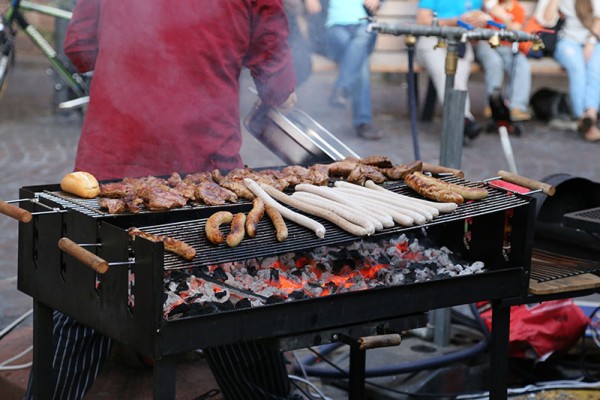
x: 333, y: 288
x: 243, y: 303
x: 202, y: 309
x: 227, y: 306
x: 219, y: 274
x: 274, y: 275
x: 182, y: 286
x: 298, y: 295
x: 439, y: 276
x: 220, y: 295
x: 321, y: 266
x: 296, y: 272
x: 274, y: 300
x: 179, y: 310
x: 251, y: 270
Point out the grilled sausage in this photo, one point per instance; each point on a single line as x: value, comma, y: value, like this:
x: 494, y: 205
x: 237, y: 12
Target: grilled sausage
x: 237, y: 230
x: 431, y: 191
x: 254, y: 216
x: 468, y: 193
x: 293, y: 216
x: 281, y: 230
x: 171, y: 244
x: 213, y: 223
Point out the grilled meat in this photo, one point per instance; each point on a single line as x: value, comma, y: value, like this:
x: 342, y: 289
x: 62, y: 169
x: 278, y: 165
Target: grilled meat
x: 213, y: 194
x: 399, y: 171
x: 114, y: 206
x: 362, y: 173
x: 377, y: 161
x: 115, y: 190
x: 173, y: 245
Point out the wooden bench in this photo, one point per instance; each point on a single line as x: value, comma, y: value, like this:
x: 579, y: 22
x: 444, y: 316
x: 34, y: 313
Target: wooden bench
x: 391, y: 56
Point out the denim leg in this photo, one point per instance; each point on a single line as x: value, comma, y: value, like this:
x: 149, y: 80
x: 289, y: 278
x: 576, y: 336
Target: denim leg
x: 433, y: 60
x: 592, y: 80
x: 350, y: 46
x: 337, y: 40
x: 569, y: 54
x: 493, y: 66
x: 518, y: 71
x: 361, y: 98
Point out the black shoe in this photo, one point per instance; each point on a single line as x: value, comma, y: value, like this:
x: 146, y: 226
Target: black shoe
x: 472, y: 129
x: 368, y: 131
x: 339, y: 98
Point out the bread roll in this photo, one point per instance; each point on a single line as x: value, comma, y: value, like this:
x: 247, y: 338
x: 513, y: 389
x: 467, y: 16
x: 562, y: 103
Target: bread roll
x: 80, y: 183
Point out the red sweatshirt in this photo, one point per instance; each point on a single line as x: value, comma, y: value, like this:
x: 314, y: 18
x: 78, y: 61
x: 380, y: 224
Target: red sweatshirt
x: 165, y: 93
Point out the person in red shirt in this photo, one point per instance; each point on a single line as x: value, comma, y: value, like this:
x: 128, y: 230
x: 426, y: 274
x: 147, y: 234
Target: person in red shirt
x: 164, y: 93
x: 164, y: 98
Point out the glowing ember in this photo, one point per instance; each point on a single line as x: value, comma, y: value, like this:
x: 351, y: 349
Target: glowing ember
x: 323, y: 271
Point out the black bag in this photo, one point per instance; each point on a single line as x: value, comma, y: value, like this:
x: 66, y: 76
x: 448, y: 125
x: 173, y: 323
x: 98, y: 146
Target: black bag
x: 549, y: 104
x: 549, y: 39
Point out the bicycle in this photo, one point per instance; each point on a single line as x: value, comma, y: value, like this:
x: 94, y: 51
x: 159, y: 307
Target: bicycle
x: 12, y: 20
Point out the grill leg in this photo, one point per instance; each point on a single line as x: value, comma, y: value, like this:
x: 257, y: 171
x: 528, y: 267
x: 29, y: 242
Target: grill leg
x: 358, y: 360
x: 499, y: 351
x: 43, y: 346
x: 164, y: 378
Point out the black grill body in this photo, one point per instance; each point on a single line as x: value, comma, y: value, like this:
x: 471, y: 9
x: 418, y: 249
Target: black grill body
x: 500, y: 233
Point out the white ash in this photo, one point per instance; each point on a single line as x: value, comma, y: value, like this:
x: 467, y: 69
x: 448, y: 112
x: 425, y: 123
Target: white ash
x: 325, y: 270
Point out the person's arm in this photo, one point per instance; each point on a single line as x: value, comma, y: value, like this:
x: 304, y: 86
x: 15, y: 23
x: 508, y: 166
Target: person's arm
x: 594, y: 35
x: 313, y: 6
x: 596, y: 24
x: 476, y: 18
x: 269, y: 58
x: 81, y: 39
x: 546, y: 12
x: 511, y: 15
x: 372, y: 5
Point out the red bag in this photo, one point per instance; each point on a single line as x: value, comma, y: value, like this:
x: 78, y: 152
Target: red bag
x: 540, y: 329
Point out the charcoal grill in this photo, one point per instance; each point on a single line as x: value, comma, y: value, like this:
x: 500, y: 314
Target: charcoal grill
x: 497, y: 230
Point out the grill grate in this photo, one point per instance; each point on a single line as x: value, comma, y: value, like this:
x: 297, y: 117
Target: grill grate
x: 299, y: 238
x: 547, y: 266
x: 588, y: 220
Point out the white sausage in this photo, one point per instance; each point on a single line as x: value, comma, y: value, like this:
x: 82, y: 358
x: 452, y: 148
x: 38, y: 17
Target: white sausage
x: 329, y: 193
x: 418, y: 217
x: 426, y: 211
x: 316, y: 211
x: 398, y: 217
x: 441, y: 207
x: 293, y: 216
x: 352, y: 214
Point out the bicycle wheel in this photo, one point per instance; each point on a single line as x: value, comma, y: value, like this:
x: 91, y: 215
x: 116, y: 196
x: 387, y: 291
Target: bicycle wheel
x: 7, y: 60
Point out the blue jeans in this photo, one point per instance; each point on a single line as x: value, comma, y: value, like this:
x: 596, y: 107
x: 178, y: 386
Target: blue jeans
x: 496, y: 62
x: 584, y: 78
x: 350, y: 46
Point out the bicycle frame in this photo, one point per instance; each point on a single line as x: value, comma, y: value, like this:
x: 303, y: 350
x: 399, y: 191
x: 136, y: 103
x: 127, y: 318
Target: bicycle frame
x: 14, y: 14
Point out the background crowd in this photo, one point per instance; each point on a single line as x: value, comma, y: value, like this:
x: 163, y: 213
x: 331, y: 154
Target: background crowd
x: 337, y: 31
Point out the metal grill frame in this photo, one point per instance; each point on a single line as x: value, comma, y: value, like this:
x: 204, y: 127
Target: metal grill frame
x: 64, y: 284
x: 58, y: 282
